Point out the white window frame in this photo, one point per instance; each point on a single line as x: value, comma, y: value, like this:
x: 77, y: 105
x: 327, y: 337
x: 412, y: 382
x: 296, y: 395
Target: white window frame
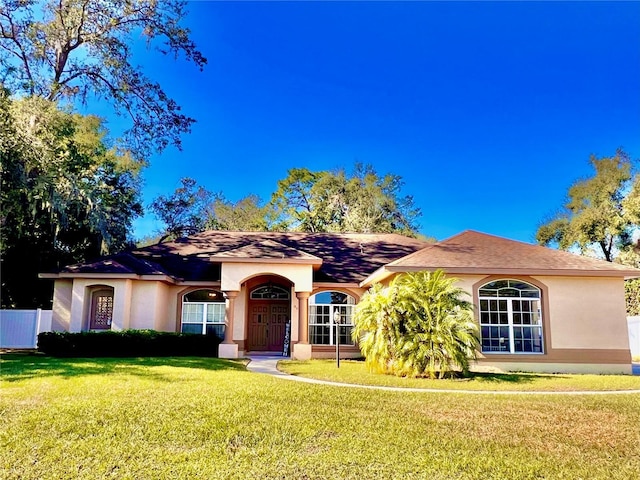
x: 214, y: 309
x: 510, y: 316
x: 346, y: 317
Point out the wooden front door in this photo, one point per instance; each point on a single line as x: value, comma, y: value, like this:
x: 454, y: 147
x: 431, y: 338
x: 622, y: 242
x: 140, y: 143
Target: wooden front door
x: 267, y: 323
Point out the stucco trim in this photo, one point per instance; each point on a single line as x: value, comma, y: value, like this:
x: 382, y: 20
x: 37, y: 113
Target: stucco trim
x: 337, y: 288
x: 117, y: 276
x: 199, y: 283
x: 565, y: 355
x: 334, y: 285
x: 379, y: 275
x: 566, y: 272
x: 109, y: 276
x: 297, y: 261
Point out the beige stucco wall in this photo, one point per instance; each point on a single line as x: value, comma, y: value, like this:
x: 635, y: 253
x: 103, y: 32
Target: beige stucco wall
x: 61, y: 315
x: 239, y: 315
x: 81, y: 302
x: 587, y: 312
x: 150, y: 306
x: 234, y: 274
x: 466, y: 282
x: 165, y: 314
x: 137, y: 304
x: 144, y: 296
x: 583, y: 312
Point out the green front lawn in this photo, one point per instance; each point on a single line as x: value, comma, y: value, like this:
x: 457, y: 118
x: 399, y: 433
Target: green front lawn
x: 208, y: 418
x: 352, y: 371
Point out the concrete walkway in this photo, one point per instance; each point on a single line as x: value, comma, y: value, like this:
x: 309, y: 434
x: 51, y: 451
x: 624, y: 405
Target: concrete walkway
x: 267, y: 364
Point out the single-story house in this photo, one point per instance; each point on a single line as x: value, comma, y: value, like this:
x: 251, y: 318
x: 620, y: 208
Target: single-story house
x: 538, y: 309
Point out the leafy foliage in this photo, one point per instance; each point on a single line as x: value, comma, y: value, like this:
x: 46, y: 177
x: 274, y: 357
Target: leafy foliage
x: 418, y: 325
x: 631, y: 256
x: 305, y: 201
x: 66, y: 196
x: 184, y: 212
x: 337, y: 202
x: 245, y: 215
x: 601, y: 211
x: 79, y: 49
x: 632, y: 296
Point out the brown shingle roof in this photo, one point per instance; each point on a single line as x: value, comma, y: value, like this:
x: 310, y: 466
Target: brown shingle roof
x: 475, y: 252
x: 265, y: 250
x: 122, y: 263
x: 344, y: 258
x: 348, y: 258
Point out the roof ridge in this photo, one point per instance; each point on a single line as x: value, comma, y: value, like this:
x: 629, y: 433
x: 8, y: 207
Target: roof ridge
x: 428, y: 247
x: 267, y: 242
x: 145, y: 260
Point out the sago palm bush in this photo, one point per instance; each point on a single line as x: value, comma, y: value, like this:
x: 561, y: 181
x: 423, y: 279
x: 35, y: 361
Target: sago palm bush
x: 419, y: 325
x: 375, y: 328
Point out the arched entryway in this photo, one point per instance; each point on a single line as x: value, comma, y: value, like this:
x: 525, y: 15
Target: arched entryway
x: 269, y: 311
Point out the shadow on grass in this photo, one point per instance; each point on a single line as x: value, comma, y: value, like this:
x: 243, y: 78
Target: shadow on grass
x: 22, y: 366
x: 509, y: 377
x: 473, y: 376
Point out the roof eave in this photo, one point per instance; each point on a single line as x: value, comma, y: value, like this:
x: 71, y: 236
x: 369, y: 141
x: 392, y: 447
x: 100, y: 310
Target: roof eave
x: 297, y: 261
x: 118, y: 276
x: 378, y: 276
x: 558, y: 272
x: 336, y: 284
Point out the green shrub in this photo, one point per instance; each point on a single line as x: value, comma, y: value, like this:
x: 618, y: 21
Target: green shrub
x: 127, y: 343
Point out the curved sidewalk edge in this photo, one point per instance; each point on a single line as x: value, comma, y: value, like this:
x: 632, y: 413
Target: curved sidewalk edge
x: 268, y: 365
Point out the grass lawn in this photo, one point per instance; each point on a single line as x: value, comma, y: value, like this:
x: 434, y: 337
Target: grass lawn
x: 208, y: 418
x: 353, y: 371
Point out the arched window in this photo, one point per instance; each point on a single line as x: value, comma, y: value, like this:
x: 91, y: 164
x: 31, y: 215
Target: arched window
x: 101, y: 315
x: 324, y: 309
x: 203, y: 312
x: 270, y: 292
x: 510, y: 317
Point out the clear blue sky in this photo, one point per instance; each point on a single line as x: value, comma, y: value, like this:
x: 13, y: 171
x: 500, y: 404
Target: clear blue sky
x: 488, y: 111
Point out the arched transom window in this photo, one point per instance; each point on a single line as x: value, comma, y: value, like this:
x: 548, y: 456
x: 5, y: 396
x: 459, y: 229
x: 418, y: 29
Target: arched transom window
x: 510, y: 317
x: 270, y: 292
x: 325, y: 308
x: 203, y: 312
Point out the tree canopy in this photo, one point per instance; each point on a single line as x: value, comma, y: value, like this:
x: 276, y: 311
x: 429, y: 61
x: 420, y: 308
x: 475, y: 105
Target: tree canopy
x: 79, y: 50
x: 246, y: 215
x: 601, y: 212
x: 362, y: 201
x: 66, y: 195
x: 184, y: 212
x: 306, y: 201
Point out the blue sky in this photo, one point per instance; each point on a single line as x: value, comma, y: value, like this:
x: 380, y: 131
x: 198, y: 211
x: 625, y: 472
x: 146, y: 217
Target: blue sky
x: 488, y: 111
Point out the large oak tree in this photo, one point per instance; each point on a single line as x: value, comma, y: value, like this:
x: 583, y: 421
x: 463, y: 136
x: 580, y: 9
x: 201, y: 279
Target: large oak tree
x: 601, y: 212
x: 360, y: 201
x: 66, y: 196
x: 80, y: 50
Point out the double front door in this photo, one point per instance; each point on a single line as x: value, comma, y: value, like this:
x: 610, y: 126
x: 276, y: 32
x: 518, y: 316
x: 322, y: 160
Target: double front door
x: 267, y: 323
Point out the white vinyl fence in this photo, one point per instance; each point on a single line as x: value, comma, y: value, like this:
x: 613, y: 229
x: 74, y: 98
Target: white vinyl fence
x: 20, y: 328
x: 634, y: 335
